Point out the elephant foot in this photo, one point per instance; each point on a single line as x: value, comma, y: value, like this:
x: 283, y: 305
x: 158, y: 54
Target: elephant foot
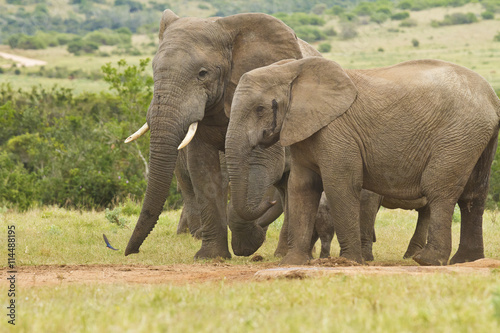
x: 412, y: 250
x: 294, y: 258
x: 467, y: 255
x: 281, y: 251
x: 324, y: 253
x: 428, y: 257
x: 367, y: 254
x: 213, y: 250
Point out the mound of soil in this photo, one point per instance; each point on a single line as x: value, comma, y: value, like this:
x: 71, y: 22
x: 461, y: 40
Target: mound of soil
x: 332, y: 262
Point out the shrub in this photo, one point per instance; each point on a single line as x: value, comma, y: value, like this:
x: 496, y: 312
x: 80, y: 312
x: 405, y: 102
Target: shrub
x: 497, y: 37
x: 487, y: 15
x: 296, y: 20
x: 310, y: 34
x: 348, y: 31
x: 330, y: 32
x: 379, y: 17
x: 79, y: 46
x: 415, y: 42
x: 203, y: 6
x: 27, y: 42
x: 324, y: 47
x: 400, y: 16
x: 318, y: 8
x: 335, y: 10
x: 455, y: 19
x: 405, y: 4
x: 408, y: 23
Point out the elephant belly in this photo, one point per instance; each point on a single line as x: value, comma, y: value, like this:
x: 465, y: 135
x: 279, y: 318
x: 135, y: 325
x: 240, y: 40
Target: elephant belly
x: 397, y: 183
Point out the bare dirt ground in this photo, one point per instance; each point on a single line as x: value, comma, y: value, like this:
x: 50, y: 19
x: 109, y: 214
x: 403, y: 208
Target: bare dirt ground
x: 22, y: 61
x: 30, y: 276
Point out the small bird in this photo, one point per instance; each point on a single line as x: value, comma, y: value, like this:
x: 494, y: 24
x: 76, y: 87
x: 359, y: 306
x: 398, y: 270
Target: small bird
x: 107, y: 243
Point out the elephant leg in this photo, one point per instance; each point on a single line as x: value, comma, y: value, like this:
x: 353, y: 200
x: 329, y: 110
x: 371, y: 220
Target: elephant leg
x: 282, y: 247
x: 324, y: 226
x: 211, y: 196
x: 472, y: 202
x: 314, y: 239
x: 438, y: 248
x: 370, y: 204
x: 190, y: 220
x: 304, y: 193
x: 419, y: 238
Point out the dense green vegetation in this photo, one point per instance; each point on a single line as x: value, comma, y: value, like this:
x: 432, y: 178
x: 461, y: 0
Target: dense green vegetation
x: 65, y: 149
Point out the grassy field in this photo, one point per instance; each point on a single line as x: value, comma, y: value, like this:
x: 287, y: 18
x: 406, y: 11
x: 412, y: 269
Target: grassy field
x: 398, y: 303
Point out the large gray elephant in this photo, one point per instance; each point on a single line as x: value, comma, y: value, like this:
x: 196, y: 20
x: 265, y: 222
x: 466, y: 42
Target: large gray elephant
x: 196, y: 69
x: 421, y: 130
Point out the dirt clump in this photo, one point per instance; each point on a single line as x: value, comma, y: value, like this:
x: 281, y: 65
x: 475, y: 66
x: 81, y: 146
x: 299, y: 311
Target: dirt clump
x: 332, y: 262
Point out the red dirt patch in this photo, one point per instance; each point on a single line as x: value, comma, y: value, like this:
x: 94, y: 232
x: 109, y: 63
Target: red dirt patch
x: 28, y: 276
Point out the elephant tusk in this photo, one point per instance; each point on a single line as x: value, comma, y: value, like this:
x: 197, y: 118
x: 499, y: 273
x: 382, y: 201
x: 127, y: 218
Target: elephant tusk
x: 137, y: 134
x: 189, y: 136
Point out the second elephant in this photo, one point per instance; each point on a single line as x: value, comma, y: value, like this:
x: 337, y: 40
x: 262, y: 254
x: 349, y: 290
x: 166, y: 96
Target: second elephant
x: 418, y: 130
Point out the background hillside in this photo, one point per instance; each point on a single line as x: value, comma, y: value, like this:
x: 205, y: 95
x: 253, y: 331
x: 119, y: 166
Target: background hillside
x: 63, y: 123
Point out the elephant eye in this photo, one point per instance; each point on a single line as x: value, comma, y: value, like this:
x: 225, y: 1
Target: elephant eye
x: 202, y: 73
x: 259, y: 109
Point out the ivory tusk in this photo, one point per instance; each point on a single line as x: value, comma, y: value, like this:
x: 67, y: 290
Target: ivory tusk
x: 137, y: 134
x: 189, y: 136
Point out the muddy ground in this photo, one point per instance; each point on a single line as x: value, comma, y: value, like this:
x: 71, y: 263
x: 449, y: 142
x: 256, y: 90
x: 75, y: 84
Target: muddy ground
x: 215, y: 271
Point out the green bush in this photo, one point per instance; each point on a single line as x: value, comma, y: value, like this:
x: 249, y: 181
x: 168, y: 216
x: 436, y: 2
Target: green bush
x: 379, y: 17
x: 335, y: 10
x: 310, y: 34
x: 455, y: 19
x: 296, y: 20
x: 27, y: 42
x: 487, y: 15
x: 330, y: 32
x: 415, y: 42
x: 324, y: 47
x: 79, y: 46
x: 400, y: 16
x: 65, y: 149
x: 497, y: 37
x: 348, y: 31
x: 408, y: 23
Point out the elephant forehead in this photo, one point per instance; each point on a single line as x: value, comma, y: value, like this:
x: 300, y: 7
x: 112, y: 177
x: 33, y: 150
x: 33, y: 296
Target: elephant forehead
x: 194, y: 30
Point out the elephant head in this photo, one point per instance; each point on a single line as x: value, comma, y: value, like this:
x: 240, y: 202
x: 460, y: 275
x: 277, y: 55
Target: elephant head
x: 277, y: 103
x: 196, y: 69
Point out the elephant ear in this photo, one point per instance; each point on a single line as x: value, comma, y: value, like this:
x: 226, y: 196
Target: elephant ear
x: 167, y: 19
x: 258, y: 40
x: 321, y: 92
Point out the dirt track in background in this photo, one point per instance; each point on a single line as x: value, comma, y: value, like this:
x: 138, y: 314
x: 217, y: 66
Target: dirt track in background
x: 31, y: 276
x: 22, y: 61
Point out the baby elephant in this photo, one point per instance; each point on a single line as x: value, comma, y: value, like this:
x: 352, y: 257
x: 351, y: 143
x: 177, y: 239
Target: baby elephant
x: 422, y: 129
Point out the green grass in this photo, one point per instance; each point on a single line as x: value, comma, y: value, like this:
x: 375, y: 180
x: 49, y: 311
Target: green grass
x: 55, y: 236
x: 433, y: 303
x: 430, y: 303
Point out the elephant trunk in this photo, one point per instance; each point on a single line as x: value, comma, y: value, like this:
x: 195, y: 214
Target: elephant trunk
x: 248, y: 183
x: 251, y: 178
x: 167, y: 133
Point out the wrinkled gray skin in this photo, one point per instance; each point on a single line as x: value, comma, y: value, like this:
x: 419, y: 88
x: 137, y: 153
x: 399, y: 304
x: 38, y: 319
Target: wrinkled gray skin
x: 196, y: 69
x: 420, y: 130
